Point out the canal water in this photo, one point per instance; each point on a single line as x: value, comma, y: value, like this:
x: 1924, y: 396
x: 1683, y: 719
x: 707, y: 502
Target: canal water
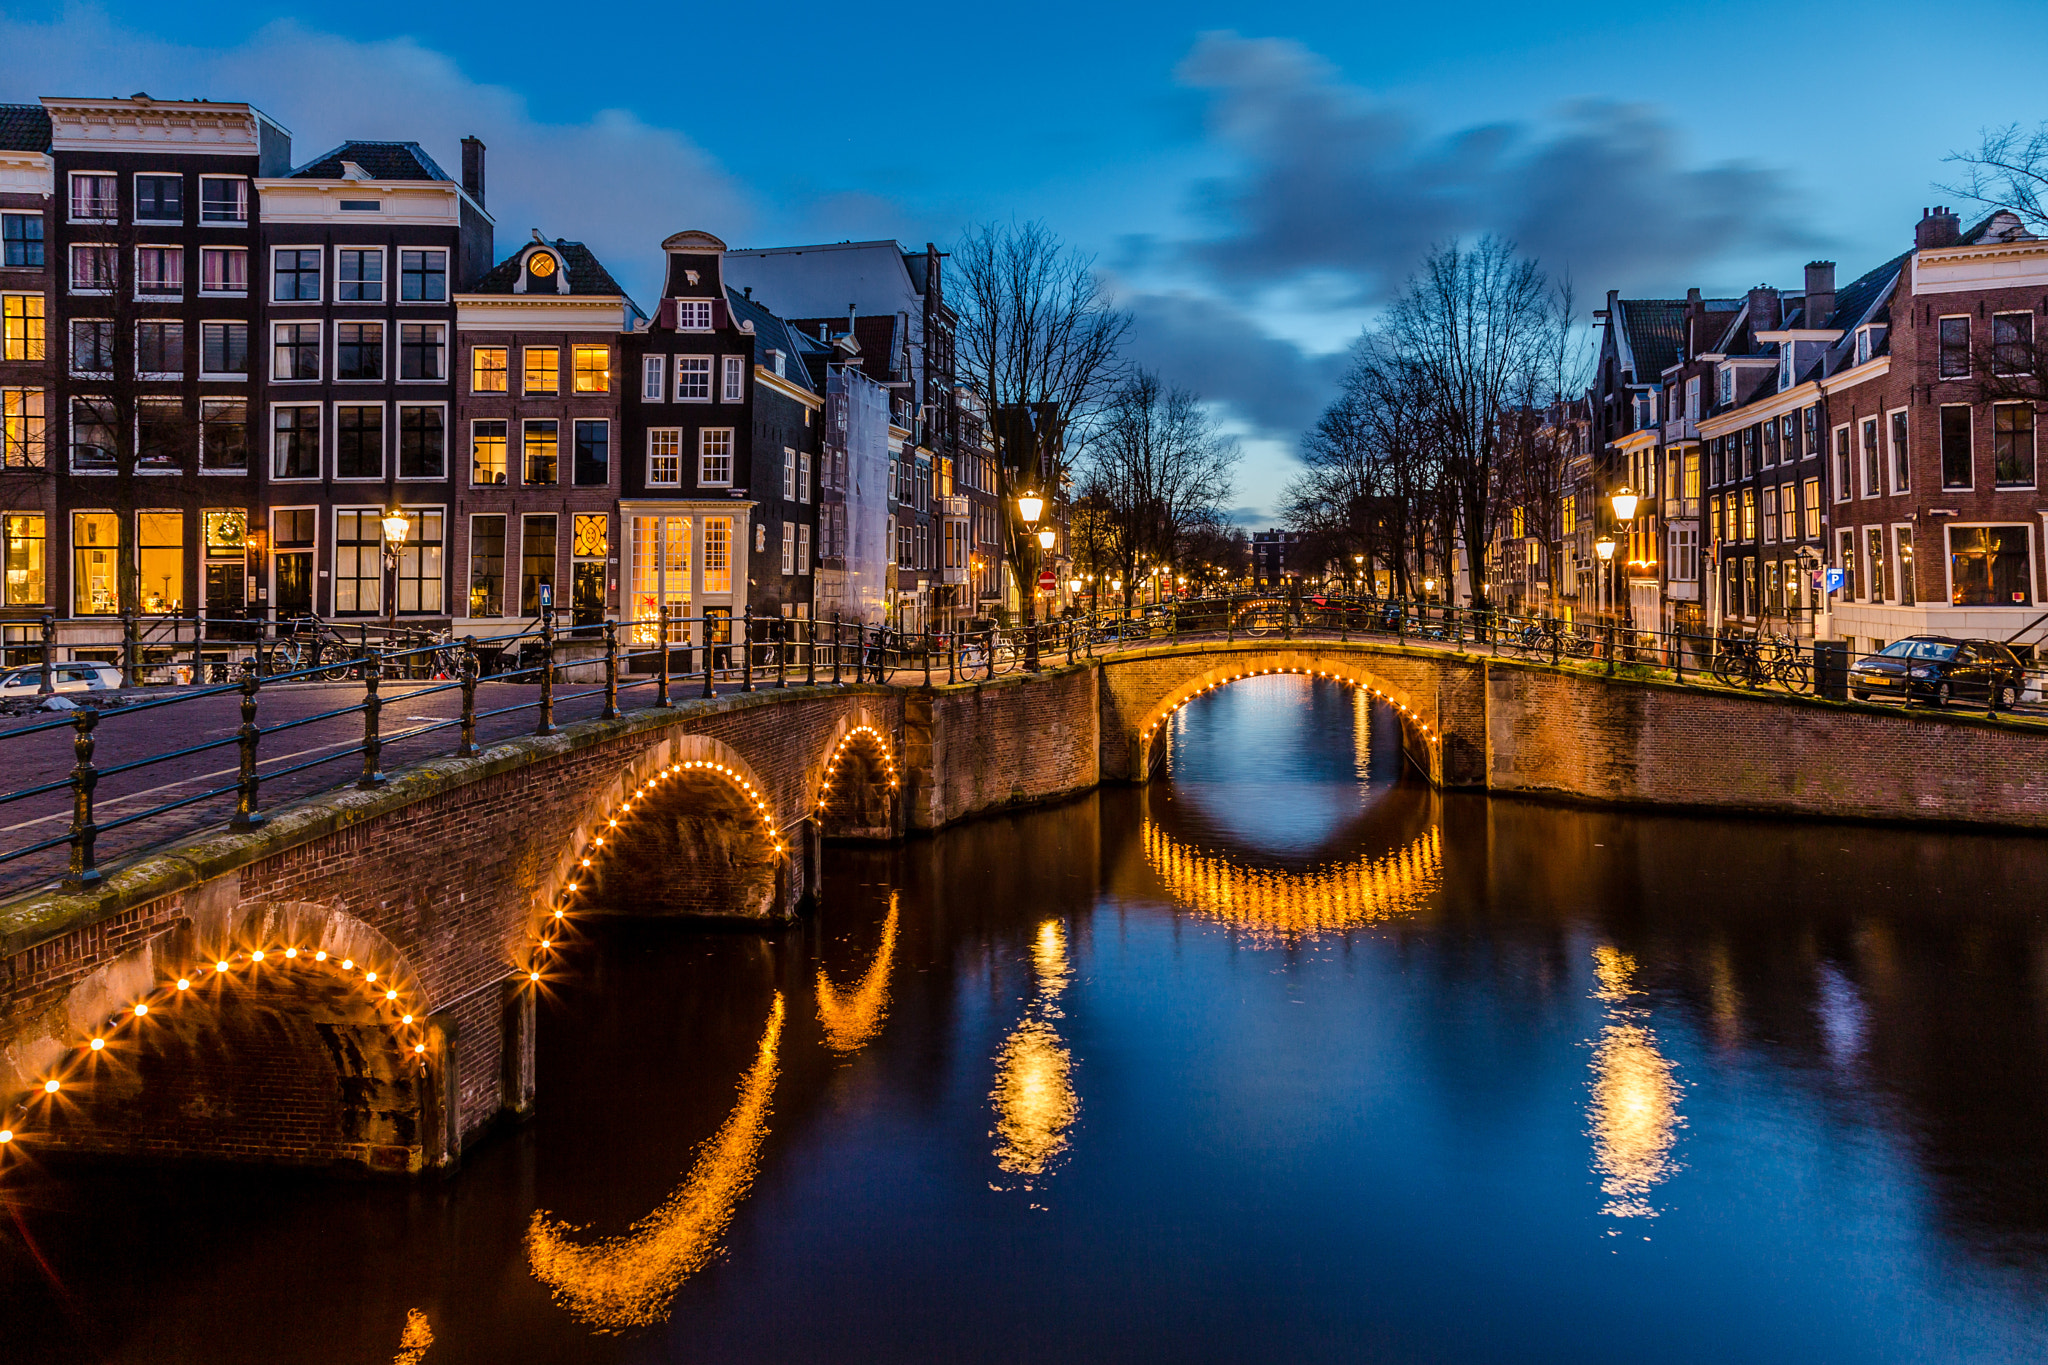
x: 1283, y: 1058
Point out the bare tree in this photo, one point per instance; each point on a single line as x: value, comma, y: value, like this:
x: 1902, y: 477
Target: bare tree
x: 1160, y: 470
x: 1474, y: 324
x: 1539, y: 438
x: 2007, y: 169
x: 1037, y: 342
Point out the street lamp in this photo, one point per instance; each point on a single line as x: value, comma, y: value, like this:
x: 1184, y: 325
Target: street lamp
x: 1045, y: 539
x: 396, y: 525
x: 1604, y: 547
x: 1625, y: 513
x: 1029, y: 506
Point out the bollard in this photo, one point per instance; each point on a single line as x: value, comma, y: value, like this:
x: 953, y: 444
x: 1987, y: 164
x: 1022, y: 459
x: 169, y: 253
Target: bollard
x: 373, y: 745
x: 611, y: 671
x: 84, y: 777
x: 48, y: 684
x: 469, y: 666
x: 547, y: 676
x: 245, y: 816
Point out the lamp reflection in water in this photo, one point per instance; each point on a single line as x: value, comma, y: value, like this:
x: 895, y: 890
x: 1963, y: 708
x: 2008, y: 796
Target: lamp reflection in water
x: 1634, y: 1109
x: 1034, y: 1098
x: 618, y: 1283
x: 852, y: 1018
x: 414, y: 1340
x: 1286, y: 906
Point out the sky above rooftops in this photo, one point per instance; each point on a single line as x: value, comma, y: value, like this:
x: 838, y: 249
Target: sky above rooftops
x: 1254, y: 181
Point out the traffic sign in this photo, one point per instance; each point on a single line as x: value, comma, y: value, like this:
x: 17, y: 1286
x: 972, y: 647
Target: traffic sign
x: 547, y: 596
x: 1836, y: 578
x: 1045, y: 580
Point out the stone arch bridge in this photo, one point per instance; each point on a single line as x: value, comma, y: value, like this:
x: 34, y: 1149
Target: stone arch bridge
x: 355, y: 981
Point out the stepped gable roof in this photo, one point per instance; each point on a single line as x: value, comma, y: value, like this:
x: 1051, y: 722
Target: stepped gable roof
x: 587, y: 274
x: 24, y: 128
x: 383, y: 161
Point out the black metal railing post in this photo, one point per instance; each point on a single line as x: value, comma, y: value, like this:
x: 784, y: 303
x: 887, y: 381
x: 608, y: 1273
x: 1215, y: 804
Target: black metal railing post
x: 246, y: 738
x: 547, y: 675
x: 47, y: 683
x: 782, y: 643
x: 991, y: 653
x: 927, y: 656
x: 810, y: 651
x: 470, y: 666
x: 953, y: 654
x: 373, y: 705
x: 661, y: 649
x: 1070, y: 641
x: 1678, y: 654
x: 611, y: 671
x: 84, y: 777
x: 709, y: 689
x: 128, y: 678
x: 747, y: 647
x: 835, y: 649
x: 1610, y: 649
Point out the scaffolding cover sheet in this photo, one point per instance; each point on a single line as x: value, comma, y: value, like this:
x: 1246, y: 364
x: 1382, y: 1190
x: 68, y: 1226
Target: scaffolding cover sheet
x: 860, y: 410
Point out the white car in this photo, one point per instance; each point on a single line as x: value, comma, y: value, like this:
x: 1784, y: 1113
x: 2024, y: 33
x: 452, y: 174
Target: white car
x: 71, y: 677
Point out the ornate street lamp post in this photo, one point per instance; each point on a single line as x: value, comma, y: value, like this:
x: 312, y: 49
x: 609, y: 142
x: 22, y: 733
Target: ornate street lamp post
x: 1625, y: 502
x: 1029, y: 507
x: 396, y: 524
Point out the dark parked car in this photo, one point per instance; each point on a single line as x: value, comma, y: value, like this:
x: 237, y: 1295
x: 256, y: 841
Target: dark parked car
x: 1934, y: 668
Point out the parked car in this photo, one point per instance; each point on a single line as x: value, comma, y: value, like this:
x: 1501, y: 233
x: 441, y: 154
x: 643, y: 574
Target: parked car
x: 1937, y: 669
x: 71, y: 677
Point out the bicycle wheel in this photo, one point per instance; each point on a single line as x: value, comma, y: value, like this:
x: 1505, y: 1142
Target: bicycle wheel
x: 1728, y: 670
x: 1794, y: 673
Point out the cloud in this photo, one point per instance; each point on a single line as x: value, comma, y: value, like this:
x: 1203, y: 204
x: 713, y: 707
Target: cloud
x: 612, y: 180
x: 1328, y: 179
x: 1198, y: 342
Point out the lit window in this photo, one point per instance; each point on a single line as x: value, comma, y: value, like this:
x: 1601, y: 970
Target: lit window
x: 540, y: 447
x: 24, y: 558
x: 487, y: 457
x: 21, y: 327
x: 543, y: 369
x: 21, y: 429
x: 487, y: 369
x: 718, y: 554
x: 593, y: 373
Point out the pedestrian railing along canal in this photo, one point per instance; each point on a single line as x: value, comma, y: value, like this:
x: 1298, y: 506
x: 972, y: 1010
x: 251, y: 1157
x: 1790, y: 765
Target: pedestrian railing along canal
x: 277, y: 738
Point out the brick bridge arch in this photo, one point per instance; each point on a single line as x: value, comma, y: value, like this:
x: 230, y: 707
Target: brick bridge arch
x: 859, y: 791
x: 1142, y: 690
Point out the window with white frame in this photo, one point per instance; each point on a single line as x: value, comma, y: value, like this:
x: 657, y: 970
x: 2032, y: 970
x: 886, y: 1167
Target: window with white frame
x: 693, y: 378
x: 1953, y: 340
x: 22, y: 327
x: 93, y: 268
x: 788, y: 474
x: 92, y: 346
x: 2012, y: 343
x: 224, y: 270
x: 21, y: 240
x: 1843, y: 466
x: 295, y: 351
x: 1770, y: 514
x: 358, y: 351
x: 159, y: 198
x: 295, y: 275
x: 803, y: 476
x: 653, y: 378
x: 803, y: 550
x: 1902, y: 465
x: 95, y: 197
x: 693, y: 315
x: 714, y: 457
x: 21, y: 429
x: 1873, y: 473
x: 159, y: 271
x: 1692, y: 399
x: 359, y: 275
x: 1724, y: 379
x: 1788, y: 512
x: 734, y: 389
x: 223, y: 199
x: 423, y: 350
x: 718, y: 554
x: 224, y: 435
x: 160, y: 349
x: 664, y: 457
x: 295, y: 441
x: 788, y: 548
x: 422, y: 276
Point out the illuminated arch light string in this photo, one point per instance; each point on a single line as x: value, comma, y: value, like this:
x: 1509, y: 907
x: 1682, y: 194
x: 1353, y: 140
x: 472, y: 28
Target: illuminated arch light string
x: 1429, y: 732
x: 547, y: 936
x: 839, y: 752
x: 1280, y: 906
x: 385, y: 995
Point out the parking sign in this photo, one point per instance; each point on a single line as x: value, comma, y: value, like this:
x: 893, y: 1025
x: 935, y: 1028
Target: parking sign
x: 1835, y: 579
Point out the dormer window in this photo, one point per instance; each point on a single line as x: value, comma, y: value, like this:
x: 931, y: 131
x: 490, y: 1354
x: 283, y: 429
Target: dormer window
x: 775, y: 363
x: 541, y: 269
x: 1724, y: 386
x: 1784, y: 367
x: 693, y: 315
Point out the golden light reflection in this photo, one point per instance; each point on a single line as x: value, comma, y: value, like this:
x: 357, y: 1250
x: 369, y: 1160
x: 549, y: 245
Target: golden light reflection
x: 414, y: 1340
x: 630, y: 1280
x: 1634, y: 1109
x: 1035, y: 1100
x: 1285, y: 906
x: 852, y: 1018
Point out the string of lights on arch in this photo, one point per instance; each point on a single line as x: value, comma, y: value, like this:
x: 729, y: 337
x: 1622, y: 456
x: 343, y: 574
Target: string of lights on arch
x: 388, y: 997
x: 881, y: 744
x: 1428, y: 731
x: 548, y: 934
x: 1285, y: 906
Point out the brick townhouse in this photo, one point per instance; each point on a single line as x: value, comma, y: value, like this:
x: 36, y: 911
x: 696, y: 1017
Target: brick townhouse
x: 364, y: 251
x: 542, y: 356
x: 28, y: 504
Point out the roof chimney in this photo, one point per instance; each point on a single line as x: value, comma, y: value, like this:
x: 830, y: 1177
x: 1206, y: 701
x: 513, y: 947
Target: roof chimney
x: 1938, y: 227
x: 1764, y: 309
x: 1820, y: 292
x: 473, y: 169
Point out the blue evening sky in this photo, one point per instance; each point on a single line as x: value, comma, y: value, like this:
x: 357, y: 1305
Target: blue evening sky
x: 1253, y: 179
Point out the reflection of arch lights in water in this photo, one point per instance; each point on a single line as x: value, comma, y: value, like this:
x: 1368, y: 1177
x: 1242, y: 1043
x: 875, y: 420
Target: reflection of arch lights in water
x: 415, y: 1339
x: 1286, y: 906
x: 1634, y: 1109
x: 853, y: 1017
x: 630, y: 1280
x: 1034, y: 1098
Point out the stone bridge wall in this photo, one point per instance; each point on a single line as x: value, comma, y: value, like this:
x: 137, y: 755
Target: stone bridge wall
x: 444, y: 878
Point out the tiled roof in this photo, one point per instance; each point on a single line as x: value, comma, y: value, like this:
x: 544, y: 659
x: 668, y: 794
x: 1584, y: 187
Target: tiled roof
x: 776, y: 334
x: 24, y: 128
x: 1853, y: 300
x: 587, y: 274
x: 1656, y: 334
x: 383, y: 160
